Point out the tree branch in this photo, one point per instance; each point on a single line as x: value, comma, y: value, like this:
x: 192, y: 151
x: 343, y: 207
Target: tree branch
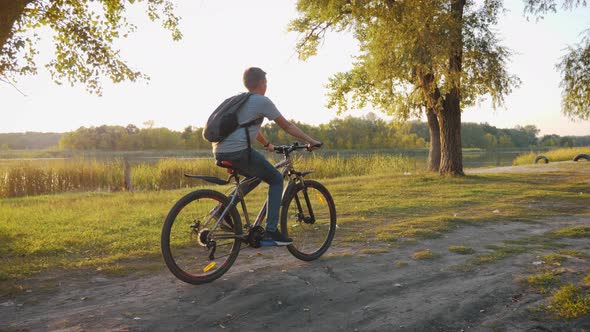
x: 7, y: 81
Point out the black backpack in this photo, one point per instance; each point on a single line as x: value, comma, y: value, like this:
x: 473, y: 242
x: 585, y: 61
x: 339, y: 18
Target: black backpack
x: 224, y: 119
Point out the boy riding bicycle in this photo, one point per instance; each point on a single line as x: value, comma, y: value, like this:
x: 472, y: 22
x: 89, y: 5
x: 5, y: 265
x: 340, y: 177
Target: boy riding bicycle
x: 235, y: 148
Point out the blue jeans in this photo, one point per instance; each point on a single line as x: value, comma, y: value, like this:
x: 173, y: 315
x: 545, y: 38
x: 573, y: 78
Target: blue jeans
x: 258, y: 166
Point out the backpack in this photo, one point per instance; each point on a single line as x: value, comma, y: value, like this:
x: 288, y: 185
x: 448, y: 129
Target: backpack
x: 224, y: 120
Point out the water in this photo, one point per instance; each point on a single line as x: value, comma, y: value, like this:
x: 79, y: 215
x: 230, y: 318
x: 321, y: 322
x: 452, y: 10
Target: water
x: 471, y: 158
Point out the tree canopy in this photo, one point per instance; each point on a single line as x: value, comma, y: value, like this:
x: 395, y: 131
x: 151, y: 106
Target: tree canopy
x: 84, y: 35
x: 435, y: 55
x: 401, y: 42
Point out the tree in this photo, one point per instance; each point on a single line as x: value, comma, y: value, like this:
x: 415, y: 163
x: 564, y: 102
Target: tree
x: 574, y: 65
x: 491, y: 141
x: 429, y: 55
x: 84, y: 33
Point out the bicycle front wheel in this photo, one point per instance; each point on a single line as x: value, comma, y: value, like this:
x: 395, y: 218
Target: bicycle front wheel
x: 309, y: 217
x: 193, y: 251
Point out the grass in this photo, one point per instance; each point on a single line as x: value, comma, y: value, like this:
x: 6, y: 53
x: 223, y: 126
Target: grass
x: 542, y: 282
x: 574, y: 232
x: 369, y: 251
x: 554, y: 259
x: 424, y: 254
x: 570, y: 302
x: 498, y: 253
x: 559, y: 275
x: 401, y: 264
x: 38, y: 177
x: 462, y: 250
x: 562, y: 154
x: 104, y: 229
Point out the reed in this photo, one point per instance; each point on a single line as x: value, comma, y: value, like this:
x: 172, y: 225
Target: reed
x: 29, y: 178
x: 563, y: 154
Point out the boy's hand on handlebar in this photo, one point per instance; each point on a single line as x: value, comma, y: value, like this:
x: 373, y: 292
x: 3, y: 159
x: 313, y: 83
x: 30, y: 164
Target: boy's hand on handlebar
x: 313, y: 145
x: 270, y: 148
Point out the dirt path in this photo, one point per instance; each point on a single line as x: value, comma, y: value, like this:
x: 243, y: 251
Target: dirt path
x: 270, y: 290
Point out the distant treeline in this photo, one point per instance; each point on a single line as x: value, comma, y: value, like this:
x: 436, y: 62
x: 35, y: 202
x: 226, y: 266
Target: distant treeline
x: 368, y: 132
x: 29, y: 140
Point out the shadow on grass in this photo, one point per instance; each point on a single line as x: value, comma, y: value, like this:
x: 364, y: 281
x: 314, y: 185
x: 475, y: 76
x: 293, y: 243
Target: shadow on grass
x: 7, y: 249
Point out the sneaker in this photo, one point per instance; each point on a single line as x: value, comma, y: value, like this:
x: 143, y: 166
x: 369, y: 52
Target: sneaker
x: 276, y: 237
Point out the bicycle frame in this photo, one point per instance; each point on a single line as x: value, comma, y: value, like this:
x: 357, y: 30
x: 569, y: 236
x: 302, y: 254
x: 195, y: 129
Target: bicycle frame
x: 236, y: 195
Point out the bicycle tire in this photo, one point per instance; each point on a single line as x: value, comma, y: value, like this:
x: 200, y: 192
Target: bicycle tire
x: 310, y: 240
x: 186, y: 257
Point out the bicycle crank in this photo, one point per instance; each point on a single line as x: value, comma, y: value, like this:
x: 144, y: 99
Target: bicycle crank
x: 255, y: 236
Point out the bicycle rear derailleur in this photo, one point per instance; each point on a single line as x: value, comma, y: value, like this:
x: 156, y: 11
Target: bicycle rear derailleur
x: 204, y: 241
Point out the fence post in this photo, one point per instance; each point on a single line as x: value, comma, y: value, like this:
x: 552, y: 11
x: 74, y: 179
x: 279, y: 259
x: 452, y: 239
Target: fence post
x: 128, y: 184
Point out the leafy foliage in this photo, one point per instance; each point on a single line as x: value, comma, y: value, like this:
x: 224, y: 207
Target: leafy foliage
x: 540, y: 7
x: 434, y: 55
x: 402, y: 45
x: 575, y: 64
x: 575, y: 68
x: 84, y: 34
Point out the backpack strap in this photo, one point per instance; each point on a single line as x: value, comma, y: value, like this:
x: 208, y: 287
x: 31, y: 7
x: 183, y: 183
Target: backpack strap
x: 245, y: 126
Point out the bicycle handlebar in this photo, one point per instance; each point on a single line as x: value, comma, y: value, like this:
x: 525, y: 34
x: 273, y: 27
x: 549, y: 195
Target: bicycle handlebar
x: 286, y: 149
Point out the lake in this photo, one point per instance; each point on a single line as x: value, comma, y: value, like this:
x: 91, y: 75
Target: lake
x: 472, y: 158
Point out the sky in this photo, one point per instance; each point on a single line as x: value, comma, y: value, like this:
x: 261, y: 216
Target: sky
x: 221, y: 38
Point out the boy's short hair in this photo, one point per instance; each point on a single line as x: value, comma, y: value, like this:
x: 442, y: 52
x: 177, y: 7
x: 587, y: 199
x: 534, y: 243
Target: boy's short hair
x: 252, y: 76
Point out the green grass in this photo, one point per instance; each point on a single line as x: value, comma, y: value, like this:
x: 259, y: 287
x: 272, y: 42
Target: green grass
x: 574, y: 232
x: 401, y: 264
x: 462, y: 250
x: 570, y: 302
x: 553, y: 258
x: 542, y: 282
x: 498, y: 253
x: 424, y: 254
x: 563, y: 154
x: 105, y: 230
x: 370, y: 251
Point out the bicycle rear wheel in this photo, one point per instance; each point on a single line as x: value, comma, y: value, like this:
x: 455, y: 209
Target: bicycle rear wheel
x: 187, y: 234
x: 309, y: 217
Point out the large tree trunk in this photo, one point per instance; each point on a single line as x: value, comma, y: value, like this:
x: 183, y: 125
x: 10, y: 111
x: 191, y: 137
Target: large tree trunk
x: 450, y: 118
x: 10, y: 12
x: 451, y: 161
x: 434, y: 152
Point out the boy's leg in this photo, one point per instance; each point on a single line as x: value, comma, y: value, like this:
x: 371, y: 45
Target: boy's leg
x: 261, y: 168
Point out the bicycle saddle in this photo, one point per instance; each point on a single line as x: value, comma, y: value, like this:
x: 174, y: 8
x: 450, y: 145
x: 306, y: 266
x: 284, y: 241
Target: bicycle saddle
x: 224, y: 164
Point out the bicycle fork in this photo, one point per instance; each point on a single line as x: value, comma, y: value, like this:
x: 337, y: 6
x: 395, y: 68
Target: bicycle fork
x: 301, y: 216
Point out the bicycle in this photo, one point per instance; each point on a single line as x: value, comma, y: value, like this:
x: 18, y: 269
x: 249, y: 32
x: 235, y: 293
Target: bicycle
x: 203, y: 233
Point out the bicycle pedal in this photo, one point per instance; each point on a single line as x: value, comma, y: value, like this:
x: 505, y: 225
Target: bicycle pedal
x: 267, y: 243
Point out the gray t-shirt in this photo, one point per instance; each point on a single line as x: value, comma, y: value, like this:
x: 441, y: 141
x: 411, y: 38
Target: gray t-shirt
x: 256, y: 107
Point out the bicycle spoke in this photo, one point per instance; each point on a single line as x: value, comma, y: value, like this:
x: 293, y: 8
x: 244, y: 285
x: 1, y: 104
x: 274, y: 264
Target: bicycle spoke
x: 310, y: 220
x: 188, y: 242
